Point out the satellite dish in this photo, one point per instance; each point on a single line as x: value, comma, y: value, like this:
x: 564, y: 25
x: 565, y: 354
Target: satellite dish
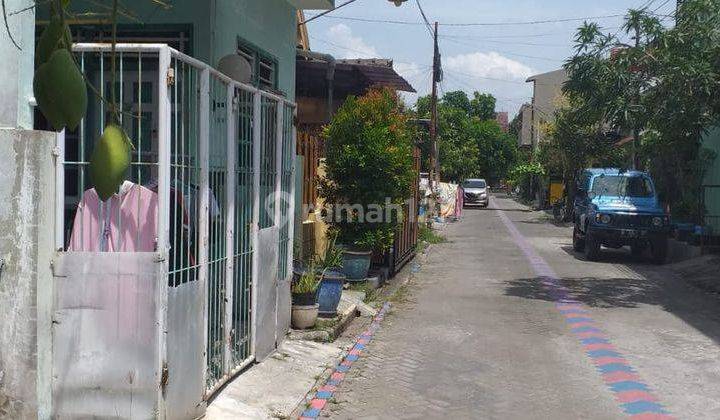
x: 236, y: 67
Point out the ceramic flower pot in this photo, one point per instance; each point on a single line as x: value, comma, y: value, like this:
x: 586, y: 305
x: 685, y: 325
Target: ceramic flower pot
x: 331, y: 288
x: 356, y: 264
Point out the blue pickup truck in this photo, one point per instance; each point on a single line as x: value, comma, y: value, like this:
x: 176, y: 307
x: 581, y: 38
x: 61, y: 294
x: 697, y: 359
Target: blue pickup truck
x: 616, y: 208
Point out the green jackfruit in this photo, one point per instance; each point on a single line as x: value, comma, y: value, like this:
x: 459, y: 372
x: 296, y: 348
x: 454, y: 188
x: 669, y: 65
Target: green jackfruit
x: 109, y: 161
x: 55, y: 36
x: 60, y: 91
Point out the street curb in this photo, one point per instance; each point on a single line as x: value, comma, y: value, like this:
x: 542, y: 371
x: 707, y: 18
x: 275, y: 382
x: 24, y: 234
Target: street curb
x: 325, y: 392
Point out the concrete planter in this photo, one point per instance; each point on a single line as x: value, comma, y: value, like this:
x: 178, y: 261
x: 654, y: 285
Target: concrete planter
x: 304, y: 317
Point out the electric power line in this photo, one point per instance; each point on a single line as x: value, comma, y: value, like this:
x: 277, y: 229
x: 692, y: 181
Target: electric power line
x: 425, y: 19
x: 471, y: 24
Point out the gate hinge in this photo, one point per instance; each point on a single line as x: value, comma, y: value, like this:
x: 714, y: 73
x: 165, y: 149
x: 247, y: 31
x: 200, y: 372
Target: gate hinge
x: 171, y: 76
x: 164, y: 378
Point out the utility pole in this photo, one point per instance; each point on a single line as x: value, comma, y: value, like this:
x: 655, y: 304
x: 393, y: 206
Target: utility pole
x: 434, y: 164
x: 434, y: 177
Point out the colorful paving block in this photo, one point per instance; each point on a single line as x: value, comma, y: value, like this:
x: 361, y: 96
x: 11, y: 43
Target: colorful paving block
x: 591, y: 334
x: 640, y: 407
x: 633, y: 396
x: 594, y: 340
x: 613, y: 377
x: 311, y: 413
x: 327, y: 388
x: 578, y: 320
x: 582, y: 324
x: 651, y: 416
x: 323, y: 395
x: 599, y: 346
x: 586, y: 329
x: 615, y: 367
x: 326, y: 391
x: 603, y: 353
x: 628, y: 386
x: 600, y: 361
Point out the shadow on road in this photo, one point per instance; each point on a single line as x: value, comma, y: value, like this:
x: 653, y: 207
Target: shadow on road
x: 654, y: 287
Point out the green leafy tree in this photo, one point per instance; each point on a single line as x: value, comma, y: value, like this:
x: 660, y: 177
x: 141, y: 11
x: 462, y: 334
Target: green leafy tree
x: 369, y: 165
x: 663, y: 87
x: 515, y: 127
x: 457, y: 99
x: 470, y: 142
x: 482, y: 106
x: 497, y: 150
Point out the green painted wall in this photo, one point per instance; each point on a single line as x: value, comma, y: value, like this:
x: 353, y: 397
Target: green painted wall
x: 712, y: 195
x: 268, y: 24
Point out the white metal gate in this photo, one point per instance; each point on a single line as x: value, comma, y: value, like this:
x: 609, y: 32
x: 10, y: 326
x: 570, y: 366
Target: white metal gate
x: 216, y: 156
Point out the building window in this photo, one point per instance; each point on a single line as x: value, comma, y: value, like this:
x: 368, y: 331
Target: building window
x: 264, y: 66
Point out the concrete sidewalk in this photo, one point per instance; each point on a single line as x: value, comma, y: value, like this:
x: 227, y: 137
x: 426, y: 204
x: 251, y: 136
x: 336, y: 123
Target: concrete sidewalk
x: 276, y: 386
x: 281, y: 384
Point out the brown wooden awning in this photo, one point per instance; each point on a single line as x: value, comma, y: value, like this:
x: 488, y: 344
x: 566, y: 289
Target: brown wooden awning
x: 352, y: 77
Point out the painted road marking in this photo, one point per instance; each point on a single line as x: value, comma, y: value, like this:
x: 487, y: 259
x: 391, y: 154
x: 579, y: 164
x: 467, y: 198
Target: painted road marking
x: 633, y: 395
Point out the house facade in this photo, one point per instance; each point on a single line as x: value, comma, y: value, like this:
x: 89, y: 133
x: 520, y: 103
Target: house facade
x: 547, y: 98
x: 188, y: 285
x: 323, y: 85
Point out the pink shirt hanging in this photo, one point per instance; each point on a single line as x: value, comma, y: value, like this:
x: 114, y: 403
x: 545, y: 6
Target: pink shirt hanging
x: 126, y: 222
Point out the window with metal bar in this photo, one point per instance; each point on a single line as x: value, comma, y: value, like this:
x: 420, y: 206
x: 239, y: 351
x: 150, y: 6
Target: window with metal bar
x: 264, y: 66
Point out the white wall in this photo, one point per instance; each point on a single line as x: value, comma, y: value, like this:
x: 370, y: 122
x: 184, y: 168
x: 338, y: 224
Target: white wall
x: 16, y: 71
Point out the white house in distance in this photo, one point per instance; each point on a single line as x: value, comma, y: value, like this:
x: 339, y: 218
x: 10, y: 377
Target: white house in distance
x: 547, y: 93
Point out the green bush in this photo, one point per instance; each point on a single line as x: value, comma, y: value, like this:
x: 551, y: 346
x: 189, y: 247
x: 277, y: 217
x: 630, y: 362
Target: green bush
x: 369, y: 166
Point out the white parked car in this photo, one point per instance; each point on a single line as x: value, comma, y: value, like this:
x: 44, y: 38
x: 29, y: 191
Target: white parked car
x: 476, y: 192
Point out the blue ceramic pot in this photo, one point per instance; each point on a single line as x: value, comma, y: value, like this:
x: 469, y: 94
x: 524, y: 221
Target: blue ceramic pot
x: 330, y: 292
x: 356, y: 264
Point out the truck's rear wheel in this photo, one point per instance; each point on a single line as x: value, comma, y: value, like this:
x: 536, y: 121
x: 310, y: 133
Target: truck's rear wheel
x: 592, y: 246
x: 638, y: 250
x: 659, y: 249
x: 578, y: 241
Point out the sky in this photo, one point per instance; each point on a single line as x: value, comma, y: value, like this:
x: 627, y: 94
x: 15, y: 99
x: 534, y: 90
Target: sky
x: 496, y: 56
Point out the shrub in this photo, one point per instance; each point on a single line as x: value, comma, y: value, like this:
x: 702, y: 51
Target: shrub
x: 308, y: 282
x: 369, y: 166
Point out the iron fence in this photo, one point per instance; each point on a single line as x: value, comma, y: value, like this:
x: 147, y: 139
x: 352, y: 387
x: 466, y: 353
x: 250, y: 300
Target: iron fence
x: 211, y: 156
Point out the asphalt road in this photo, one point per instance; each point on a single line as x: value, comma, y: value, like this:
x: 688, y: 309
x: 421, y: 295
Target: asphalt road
x: 505, y: 322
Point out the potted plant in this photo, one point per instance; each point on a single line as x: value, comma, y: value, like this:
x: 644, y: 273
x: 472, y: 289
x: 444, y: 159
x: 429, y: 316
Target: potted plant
x: 333, y: 279
x: 304, y: 292
x: 369, y: 173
